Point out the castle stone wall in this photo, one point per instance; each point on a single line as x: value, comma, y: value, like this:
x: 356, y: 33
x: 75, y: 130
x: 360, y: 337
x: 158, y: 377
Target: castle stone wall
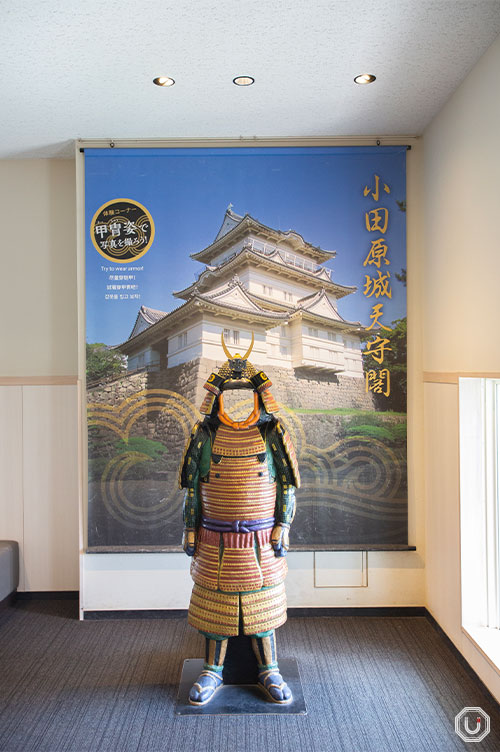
x: 324, y: 391
x: 297, y: 388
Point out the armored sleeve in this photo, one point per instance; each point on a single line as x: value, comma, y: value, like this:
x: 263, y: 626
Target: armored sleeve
x: 287, y: 473
x: 192, y: 468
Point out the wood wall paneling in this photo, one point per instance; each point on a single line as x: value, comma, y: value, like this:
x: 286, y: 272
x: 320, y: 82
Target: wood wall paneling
x: 50, y: 487
x: 11, y: 470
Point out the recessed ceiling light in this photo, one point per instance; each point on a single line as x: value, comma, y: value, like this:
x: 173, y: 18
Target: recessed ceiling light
x: 243, y: 80
x: 163, y: 81
x: 365, y: 78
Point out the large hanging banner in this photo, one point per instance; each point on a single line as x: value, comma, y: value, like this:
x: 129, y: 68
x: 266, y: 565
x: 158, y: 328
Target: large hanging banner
x: 301, y: 248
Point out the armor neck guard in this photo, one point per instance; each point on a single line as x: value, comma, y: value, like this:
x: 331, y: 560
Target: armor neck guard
x: 242, y: 424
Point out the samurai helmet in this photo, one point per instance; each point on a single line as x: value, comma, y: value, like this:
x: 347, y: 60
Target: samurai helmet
x: 238, y: 373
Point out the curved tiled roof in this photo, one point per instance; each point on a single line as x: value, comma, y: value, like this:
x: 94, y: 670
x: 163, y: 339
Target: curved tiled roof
x: 146, y: 318
x: 203, y: 300
x: 237, y: 224
x: 247, y: 253
x: 152, y: 315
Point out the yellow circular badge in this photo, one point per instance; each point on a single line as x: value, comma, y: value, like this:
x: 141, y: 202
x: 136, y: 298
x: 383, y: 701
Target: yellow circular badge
x: 122, y: 230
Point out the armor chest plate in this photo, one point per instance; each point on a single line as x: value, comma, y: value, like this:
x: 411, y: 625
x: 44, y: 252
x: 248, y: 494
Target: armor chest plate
x: 238, y: 486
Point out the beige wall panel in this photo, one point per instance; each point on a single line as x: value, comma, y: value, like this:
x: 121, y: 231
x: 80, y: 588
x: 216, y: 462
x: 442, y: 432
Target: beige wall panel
x: 11, y: 469
x: 37, y: 200
x: 461, y: 309
x: 443, y: 507
x: 462, y: 263
x: 50, y: 487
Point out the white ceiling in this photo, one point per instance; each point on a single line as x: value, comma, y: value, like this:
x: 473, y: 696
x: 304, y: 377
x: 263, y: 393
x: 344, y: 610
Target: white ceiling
x: 84, y: 69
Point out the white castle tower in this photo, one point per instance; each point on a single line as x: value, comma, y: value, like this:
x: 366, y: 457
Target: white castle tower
x: 255, y: 279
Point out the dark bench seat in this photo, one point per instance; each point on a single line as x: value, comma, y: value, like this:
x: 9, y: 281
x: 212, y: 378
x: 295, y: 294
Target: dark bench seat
x: 9, y: 568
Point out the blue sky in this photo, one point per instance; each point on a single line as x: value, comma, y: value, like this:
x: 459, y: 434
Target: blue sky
x: 317, y: 191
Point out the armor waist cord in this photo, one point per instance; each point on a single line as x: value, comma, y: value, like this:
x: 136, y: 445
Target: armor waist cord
x: 237, y: 526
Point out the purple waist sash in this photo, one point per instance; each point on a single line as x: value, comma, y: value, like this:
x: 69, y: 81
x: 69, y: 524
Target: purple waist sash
x: 236, y: 526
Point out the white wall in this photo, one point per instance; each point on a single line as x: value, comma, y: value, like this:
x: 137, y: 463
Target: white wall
x: 38, y: 303
x: 329, y: 578
x: 460, y: 302
x: 254, y: 280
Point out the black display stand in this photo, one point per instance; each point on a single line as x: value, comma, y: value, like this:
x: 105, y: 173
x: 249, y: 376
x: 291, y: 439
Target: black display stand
x: 240, y: 694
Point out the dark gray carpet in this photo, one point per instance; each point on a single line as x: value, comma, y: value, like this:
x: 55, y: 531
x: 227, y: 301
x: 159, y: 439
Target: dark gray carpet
x: 371, y: 684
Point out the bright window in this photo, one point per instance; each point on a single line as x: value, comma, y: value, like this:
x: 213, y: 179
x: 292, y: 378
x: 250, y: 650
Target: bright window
x: 479, y: 404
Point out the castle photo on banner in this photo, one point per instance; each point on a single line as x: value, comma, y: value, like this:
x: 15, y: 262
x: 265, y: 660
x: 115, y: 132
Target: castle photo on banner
x: 301, y: 248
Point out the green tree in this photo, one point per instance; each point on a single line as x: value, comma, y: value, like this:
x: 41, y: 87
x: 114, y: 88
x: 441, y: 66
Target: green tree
x: 103, y: 362
x: 154, y: 449
x: 395, y: 361
x: 401, y: 277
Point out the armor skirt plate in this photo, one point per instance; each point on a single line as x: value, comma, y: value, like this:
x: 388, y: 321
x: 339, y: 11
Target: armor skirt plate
x: 219, y: 613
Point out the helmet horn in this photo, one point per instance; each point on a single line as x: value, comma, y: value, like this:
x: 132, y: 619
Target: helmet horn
x: 250, y: 348
x: 226, y: 351
x: 228, y: 354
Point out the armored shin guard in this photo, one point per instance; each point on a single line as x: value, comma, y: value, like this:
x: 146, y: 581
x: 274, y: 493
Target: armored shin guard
x: 265, y: 651
x: 215, y: 652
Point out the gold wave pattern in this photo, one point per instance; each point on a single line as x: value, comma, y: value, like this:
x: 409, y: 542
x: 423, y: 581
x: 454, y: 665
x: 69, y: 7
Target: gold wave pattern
x: 114, y: 484
x: 121, y: 418
x: 354, y: 475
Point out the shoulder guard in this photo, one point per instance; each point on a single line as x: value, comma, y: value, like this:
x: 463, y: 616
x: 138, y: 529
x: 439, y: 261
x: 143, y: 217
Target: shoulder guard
x: 191, y: 453
x: 288, y: 452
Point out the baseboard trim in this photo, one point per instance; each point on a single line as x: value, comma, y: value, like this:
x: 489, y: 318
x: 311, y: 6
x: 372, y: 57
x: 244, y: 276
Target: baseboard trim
x: 463, y: 661
x: 147, y: 613
x: 180, y: 613
x: 9, y: 600
x: 359, y: 611
x: 44, y: 595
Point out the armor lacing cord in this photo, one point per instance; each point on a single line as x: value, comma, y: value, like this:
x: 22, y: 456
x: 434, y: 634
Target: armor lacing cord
x: 238, y: 425
x: 237, y: 526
